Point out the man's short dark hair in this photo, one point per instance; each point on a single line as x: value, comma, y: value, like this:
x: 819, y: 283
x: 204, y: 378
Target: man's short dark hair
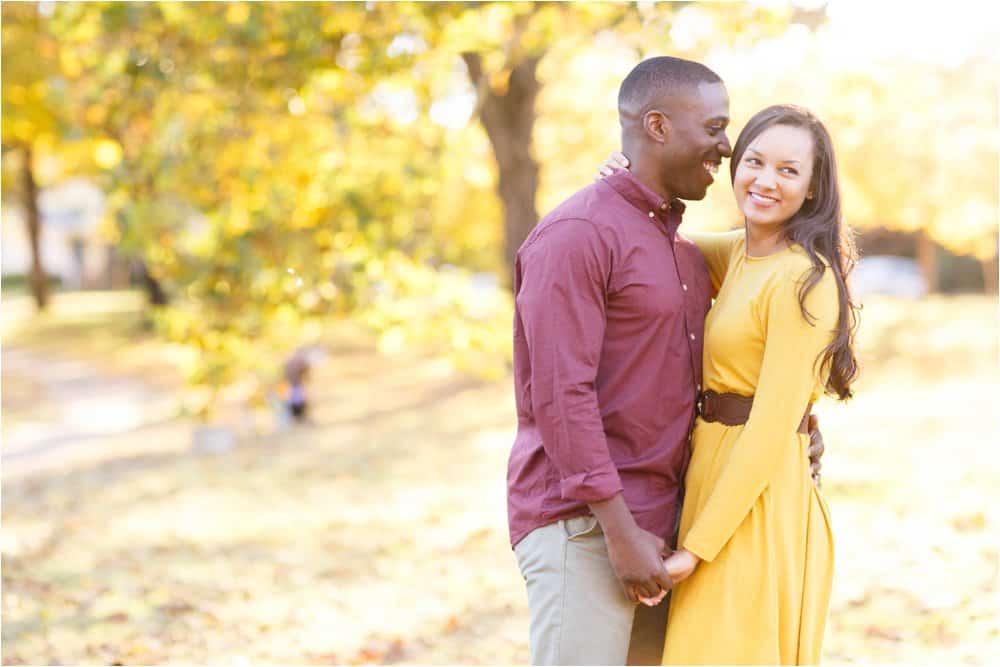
x: 663, y: 75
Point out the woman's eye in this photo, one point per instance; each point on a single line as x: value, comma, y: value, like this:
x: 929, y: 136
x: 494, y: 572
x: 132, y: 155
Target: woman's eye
x: 752, y: 160
x: 791, y: 171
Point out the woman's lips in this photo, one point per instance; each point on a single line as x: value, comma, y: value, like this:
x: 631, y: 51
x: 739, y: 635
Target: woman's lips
x: 764, y: 201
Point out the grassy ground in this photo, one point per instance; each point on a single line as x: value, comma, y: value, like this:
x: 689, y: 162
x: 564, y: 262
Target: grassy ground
x: 378, y: 534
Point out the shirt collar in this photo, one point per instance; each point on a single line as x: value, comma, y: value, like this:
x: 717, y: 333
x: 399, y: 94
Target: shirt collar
x: 628, y: 186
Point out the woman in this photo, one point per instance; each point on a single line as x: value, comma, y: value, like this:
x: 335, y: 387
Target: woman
x: 753, y: 572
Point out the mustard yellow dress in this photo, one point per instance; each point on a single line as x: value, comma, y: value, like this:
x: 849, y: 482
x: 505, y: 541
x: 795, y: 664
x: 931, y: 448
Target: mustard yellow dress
x: 751, y: 512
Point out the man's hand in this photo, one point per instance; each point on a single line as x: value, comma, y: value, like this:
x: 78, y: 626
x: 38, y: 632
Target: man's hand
x: 636, y: 555
x: 816, y: 449
x: 679, y: 566
x: 637, y: 558
x: 653, y: 601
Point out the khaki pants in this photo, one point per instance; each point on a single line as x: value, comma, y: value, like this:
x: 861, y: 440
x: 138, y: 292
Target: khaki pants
x: 579, y: 613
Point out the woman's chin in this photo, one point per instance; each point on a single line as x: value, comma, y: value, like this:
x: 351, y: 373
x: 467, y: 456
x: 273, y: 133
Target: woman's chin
x: 755, y: 219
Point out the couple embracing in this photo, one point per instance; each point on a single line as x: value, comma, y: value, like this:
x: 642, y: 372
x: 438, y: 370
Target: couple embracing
x: 653, y: 366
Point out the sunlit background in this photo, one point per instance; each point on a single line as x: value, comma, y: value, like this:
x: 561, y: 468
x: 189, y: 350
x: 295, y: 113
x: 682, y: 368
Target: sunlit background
x: 197, y: 196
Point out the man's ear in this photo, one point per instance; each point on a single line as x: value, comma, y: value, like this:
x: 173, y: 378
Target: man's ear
x: 657, y: 126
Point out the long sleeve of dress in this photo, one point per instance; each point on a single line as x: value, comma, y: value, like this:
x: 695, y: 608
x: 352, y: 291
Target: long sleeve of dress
x: 716, y: 248
x: 789, y: 375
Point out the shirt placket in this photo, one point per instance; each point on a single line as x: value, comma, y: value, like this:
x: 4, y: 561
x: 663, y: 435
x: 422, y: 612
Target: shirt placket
x: 669, y: 228
x: 689, y: 304
x: 691, y: 317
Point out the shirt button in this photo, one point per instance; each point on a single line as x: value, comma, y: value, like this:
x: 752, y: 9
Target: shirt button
x: 684, y: 287
x: 699, y: 387
x: 692, y: 336
x: 664, y: 207
x: 652, y: 215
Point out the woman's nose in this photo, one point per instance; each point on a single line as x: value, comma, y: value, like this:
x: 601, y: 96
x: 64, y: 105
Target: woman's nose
x: 766, y: 179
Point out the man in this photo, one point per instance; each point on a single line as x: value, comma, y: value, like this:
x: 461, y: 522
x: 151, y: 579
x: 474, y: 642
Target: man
x: 610, y: 308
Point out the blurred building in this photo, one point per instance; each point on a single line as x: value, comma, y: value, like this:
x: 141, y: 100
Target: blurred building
x: 888, y: 274
x: 72, y: 248
x: 939, y: 269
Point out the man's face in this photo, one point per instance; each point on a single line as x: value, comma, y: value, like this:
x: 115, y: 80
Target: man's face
x: 697, y: 141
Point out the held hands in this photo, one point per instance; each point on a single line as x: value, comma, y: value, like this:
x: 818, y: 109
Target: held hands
x: 615, y: 162
x: 636, y: 558
x: 678, y: 566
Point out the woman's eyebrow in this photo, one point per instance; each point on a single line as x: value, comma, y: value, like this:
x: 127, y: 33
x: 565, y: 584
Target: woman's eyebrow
x: 753, y: 150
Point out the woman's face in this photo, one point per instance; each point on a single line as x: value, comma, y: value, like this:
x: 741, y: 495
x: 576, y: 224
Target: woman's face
x: 773, y: 176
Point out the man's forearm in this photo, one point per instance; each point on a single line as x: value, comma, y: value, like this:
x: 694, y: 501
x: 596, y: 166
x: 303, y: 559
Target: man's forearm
x: 635, y: 554
x: 614, y: 516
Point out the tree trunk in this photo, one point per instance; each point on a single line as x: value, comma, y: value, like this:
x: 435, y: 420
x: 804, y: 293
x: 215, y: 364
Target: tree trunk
x: 928, y: 261
x: 509, y: 119
x: 154, y: 291
x: 990, y: 271
x: 37, y: 280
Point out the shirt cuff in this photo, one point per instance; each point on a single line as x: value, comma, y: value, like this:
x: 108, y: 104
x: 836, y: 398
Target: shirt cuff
x: 593, y: 485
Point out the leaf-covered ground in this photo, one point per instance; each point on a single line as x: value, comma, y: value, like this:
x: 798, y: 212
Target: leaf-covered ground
x: 378, y: 533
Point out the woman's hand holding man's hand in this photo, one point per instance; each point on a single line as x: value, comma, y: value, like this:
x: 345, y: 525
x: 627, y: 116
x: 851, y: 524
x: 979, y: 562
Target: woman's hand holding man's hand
x: 679, y: 566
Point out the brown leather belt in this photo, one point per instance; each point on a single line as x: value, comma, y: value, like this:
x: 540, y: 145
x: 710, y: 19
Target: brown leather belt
x: 734, y: 410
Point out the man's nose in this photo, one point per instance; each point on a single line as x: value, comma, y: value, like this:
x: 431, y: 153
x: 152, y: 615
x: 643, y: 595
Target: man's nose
x: 724, y: 148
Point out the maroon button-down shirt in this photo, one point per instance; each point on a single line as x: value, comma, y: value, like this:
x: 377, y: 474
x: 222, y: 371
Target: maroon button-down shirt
x: 610, y: 306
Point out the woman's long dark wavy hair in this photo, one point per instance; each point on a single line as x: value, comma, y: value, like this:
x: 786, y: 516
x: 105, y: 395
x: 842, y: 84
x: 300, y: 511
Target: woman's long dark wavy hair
x: 819, y: 228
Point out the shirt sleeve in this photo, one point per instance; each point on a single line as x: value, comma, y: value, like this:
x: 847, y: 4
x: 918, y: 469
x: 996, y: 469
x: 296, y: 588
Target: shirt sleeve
x: 561, y: 302
x: 716, y: 248
x: 788, y: 377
